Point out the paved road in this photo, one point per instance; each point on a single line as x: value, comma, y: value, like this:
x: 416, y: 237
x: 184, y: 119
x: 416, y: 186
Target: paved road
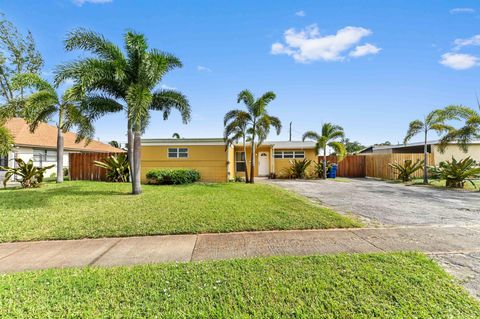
x: 391, y: 204
x: 385, y: 204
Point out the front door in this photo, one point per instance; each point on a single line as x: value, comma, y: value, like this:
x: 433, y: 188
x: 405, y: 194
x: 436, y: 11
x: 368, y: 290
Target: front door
x: 263, y: 164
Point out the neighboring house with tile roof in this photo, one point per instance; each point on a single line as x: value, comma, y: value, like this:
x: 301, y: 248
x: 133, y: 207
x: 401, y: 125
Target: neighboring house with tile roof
x: 41, y: 146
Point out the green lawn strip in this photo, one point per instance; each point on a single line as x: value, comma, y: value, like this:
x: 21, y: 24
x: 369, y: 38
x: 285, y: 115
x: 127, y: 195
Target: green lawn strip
x: 441, y: 184
x: 394, y: 285
x: 96, y: 209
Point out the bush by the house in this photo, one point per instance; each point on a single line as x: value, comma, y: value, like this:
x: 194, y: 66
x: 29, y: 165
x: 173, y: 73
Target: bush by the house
x: 298, y: 168
x: 117, y: 166
x: 172, y: 176
x: 405, y: 172
x: 30, y: 175
x: 457, y: 172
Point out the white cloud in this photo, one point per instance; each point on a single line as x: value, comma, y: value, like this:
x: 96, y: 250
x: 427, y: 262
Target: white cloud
x: 202, y: 68
x: 300, y: 13
x: 166, y: 87
x: 462, y: 10
x: 366, y: 49
x: 308, y: 45
x: 459, y: 61
x: 82, y: 2
x: 459, y: 43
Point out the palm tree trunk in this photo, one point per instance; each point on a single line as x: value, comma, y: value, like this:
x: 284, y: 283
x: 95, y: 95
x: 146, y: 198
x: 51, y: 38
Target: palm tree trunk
x: 425, y: 160
x: 136, y: 186
x: 245, y: 159
x: 324, y: 163
x: 60, y: 147
x: 130, y: 149
x: 252, y: 162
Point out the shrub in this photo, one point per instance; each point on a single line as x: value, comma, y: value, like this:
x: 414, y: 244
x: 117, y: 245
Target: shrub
x: 31, y: 175
x: 117, y: 166
x: 172, y: 176
x: 239, y: 179
x: 456, y: 173
x: 298, y: 168
x: 65, y: 171
x: 406, y: 171
x: 318, y: 169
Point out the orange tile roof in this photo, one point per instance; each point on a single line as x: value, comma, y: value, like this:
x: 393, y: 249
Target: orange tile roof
x: 45, y: 136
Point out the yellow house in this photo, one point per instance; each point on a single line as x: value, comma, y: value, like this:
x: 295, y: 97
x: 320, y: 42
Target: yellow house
x: 218, y: 163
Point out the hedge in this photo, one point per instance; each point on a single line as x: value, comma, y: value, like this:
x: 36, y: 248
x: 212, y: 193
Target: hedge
x: 172, y: 176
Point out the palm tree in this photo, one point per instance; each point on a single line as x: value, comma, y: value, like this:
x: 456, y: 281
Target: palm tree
x: 236, y: 126
x: 329, y: 137
x: 434, y: 121
x: 114, y: 81
x: 258, y: 121
x: 175, y: 135
x: 115, y: 144
x: 42, y: 105
x: 465, y: 134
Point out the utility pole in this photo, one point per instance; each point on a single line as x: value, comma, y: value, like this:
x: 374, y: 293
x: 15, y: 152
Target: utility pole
x: 290, y: 134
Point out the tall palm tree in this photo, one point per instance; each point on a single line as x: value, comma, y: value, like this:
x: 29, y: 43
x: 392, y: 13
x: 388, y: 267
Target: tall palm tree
x: 236, y: 126
x: 42, y: 105
x: 127, y: 81
x: 258, y: 121
x: 434, y: 121
x: 331, y: 136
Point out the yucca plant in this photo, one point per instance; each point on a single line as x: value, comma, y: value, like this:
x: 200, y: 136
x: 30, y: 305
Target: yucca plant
x: 406, y: 171
x: 456, y: 173
x: 117, y: 166
x: 318, y: 169
x: 298, y: 168
x: 31, y: 175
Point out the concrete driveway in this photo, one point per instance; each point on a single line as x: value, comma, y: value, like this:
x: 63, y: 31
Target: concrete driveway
x: 391, y: 204
x: 384, y: 204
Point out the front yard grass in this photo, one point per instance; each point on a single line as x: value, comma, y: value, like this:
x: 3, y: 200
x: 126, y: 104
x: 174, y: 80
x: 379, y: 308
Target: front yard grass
x: 394, y: 285
x: 441, y: 184
x: 83, y: 209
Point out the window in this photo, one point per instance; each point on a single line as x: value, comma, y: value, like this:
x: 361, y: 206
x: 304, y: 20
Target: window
x: 289, y: 154
x: 3, y: 161
x: 240, y: 161
x: 299, y: 154
x: 178, y: 152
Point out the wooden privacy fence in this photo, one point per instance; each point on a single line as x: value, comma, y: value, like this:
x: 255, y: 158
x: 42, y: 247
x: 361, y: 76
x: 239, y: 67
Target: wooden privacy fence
x: 350, y: 166
x: 374, y: 165
x: 81, y: 166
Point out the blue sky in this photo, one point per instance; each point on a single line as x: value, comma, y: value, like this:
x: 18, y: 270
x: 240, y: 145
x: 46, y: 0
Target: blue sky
x: 370, y: 66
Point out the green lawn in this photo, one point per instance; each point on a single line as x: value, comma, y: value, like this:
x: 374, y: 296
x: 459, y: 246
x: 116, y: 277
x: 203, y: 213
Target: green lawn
x: 97, y: 209
x: 441, y: 184
x: 396, y: 285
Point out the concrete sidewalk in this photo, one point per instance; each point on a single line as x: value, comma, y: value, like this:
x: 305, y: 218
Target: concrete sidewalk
x: 183, y: 248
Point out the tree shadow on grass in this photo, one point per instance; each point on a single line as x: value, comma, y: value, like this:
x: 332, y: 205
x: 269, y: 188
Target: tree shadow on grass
x: 11, y: 199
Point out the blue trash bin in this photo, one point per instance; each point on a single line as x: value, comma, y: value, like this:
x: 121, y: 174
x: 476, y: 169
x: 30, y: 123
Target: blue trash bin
x: 332, y: 172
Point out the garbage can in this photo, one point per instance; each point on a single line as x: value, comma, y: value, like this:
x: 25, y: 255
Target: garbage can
x: 332, y: 172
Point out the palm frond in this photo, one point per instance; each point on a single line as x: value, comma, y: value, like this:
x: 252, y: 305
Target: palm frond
x: 414, y: 128
x: 83, y: 39
x: 166, y: 100
x: 311, y: 135
x: 339, y: 149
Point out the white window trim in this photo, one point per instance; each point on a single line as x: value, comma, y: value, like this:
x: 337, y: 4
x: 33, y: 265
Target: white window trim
x: 244, y: 161
x: 177, y: 152
x: 294, y: 154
